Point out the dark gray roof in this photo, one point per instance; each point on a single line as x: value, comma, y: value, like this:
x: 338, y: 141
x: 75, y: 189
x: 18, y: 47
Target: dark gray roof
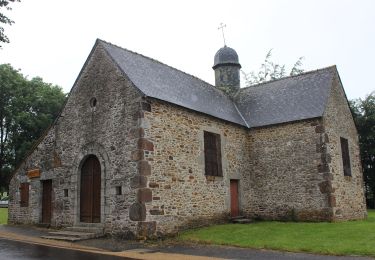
x: 226, y: 55
x: 157, y: 80
x: 285, y: 100
x: 288, y: 99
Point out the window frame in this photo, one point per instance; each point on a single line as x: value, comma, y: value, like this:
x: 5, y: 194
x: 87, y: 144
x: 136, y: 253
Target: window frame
x: 212, y: 154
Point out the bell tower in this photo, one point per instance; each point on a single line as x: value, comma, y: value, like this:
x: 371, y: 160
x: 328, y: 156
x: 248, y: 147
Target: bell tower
x: 227, y: 70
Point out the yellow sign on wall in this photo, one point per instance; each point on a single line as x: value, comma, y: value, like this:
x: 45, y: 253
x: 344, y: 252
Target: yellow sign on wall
x: 35, y: 173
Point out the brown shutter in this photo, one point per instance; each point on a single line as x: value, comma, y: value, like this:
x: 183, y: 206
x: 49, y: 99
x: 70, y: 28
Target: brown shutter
x: 212, y: 154
x: 24, y: 195
x: 218, y: 156
x: 345, y: 156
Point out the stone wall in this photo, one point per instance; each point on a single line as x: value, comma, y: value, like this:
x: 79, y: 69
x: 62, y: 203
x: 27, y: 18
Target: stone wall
x: 108, y: 130
x: 284, y: 174
x: 346, y: 192
x: 182, y: 196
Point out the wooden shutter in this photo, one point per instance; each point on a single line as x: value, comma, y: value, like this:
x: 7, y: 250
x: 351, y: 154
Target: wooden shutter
x: 24, y: 195
x: 345, y: 156
x: 212, y: 154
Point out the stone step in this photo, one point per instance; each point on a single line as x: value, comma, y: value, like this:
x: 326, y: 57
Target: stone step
x: 96, y: 230
x: 238, y: 217
x: 242, y: 221
x: 73, y: 234
x: 63, y: 238
x: 77, y: 233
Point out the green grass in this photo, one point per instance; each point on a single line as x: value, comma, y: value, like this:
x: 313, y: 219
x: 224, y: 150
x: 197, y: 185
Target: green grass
x: 3, y: 215
x: 341, y: 238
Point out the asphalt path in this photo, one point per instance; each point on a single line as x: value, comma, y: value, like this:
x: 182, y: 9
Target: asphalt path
x: 14, y: 250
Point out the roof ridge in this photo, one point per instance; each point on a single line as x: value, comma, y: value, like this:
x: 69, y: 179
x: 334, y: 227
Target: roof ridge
x: 190, y: 75
x: 290, y: 76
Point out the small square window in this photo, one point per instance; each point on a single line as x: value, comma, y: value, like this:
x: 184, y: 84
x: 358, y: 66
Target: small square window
x: 118, y: 190
x: 66, y: 193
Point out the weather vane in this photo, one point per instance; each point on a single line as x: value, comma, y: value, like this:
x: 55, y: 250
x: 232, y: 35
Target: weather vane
x: 222, y: 26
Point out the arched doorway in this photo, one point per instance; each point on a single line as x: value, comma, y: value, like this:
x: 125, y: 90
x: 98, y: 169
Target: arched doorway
x: 90, y: 190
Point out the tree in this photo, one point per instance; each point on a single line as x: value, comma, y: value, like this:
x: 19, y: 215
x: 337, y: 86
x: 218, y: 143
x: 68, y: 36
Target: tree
x: 364, y: 117
x: 27, y: 108
x: 4, y: 19
x: 271, y: 71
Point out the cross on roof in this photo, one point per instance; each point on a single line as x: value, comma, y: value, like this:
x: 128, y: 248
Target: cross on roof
x: 222, y: 26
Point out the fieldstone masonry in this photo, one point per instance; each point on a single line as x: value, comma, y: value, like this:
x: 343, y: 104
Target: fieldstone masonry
x: 151, y: 155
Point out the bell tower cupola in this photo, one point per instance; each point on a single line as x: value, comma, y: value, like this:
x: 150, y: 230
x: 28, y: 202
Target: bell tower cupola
x: 227, y: 70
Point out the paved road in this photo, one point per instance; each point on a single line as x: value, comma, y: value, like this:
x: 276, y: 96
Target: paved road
x: 13, y: 250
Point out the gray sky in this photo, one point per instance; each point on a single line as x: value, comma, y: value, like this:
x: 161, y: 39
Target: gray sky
x: 52, y: 39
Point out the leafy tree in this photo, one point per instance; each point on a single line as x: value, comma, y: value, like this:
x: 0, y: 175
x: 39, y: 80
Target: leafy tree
x: 271, y: 71
x: 27, y: 108
x: 4, y: 19
x: 364, y: 116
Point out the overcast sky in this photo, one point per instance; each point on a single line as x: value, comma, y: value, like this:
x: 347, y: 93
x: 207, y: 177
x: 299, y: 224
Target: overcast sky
x: 52, y: 39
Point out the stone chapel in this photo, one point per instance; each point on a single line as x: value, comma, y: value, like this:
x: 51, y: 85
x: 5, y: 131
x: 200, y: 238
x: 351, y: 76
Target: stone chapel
x: 143, y: 149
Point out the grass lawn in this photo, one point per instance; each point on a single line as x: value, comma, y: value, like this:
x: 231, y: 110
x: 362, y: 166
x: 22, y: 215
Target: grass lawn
x: 343, y: 238
x: 3, y: 215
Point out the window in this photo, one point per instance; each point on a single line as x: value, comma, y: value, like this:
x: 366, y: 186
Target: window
x: 66, y: 193
x: 212, y: 154
x: 24, y: 194
x: 93, y: 102
x: 345, y: 156
x: 118, y: 190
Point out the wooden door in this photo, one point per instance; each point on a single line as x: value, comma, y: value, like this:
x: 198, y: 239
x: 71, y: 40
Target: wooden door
x: 234, y: 209
x: 90, y: 190
x: 46, y: 201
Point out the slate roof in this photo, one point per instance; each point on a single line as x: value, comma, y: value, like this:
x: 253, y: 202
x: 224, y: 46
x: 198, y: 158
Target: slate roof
x: 157, y: 80
x: 288, y: 99
x: 280, y: 101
